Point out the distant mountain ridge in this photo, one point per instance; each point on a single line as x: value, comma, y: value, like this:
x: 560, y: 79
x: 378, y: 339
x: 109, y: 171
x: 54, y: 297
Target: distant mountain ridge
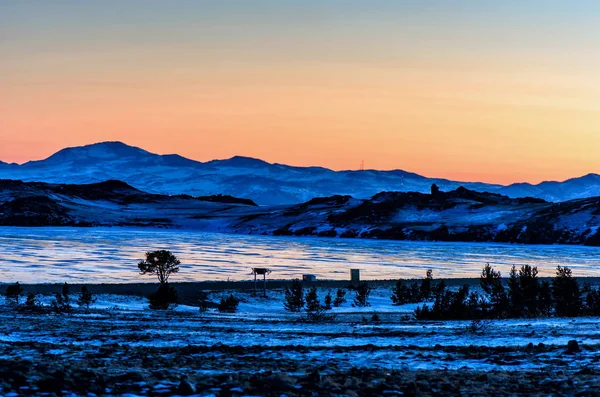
x: 458, y: 215
x: 255, y: 179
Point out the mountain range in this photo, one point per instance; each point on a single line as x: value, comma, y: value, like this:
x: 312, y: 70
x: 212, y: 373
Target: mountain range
x: 458, y: 215
x: 258, y: 180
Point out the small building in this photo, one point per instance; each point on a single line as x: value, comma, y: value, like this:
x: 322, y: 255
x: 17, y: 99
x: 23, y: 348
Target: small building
x: 355, y: 275
x: 309, y: 277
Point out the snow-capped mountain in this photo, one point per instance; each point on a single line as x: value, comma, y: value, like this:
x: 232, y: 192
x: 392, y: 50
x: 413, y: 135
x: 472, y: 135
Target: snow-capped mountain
x: 263, y: 182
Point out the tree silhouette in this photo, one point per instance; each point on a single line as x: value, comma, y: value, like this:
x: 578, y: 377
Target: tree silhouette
x: 161, y: 263
x: 13, y: 293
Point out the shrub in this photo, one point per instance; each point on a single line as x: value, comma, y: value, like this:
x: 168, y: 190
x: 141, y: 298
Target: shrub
x: 545, y: 301
x: 403, y: 294
x: 314, y: 310
x: 62, y: 302
x: 477, y: 327
x: 529, y: 285
x: 229, y: 304
x: 425, y: 289
x: 361, y: 299
x: 312, y: 300
x: 294, y: 297
x: 202, y: 301
x: 328, y: 301
x: 459, y: 305
x: 86, y: 298
x: 164, y: 298
x: 13, y: 293
x: 514, y: 293
x: 32, y: 300
x: 566, y: 293
x: 491, y: 284
x: 592, y: 302
x: 340, y: 297
x: 375, y: 318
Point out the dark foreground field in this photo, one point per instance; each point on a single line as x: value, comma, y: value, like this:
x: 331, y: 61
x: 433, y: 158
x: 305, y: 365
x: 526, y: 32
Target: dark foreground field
x: 122, y: 348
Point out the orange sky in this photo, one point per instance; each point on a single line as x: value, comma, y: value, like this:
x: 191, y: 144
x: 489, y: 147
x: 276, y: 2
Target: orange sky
x: 472, y: 92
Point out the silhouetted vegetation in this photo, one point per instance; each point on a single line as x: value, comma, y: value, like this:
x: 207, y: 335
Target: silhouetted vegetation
x: 521, y: 296
x: 61, y: 304
x: 403, y: 293
x: 314, y: 310
x: 160, y: 263
x: 86, y: 298
x: 229, y: 304
x: 164, y: 298
x: 361, y: 299
x: 32, y: 300
x: 328, y: 301
x: 13, y: 294
x: 566, y: 292
x: 202, y: 301
x: 294, y: 297
x: 340, y: 297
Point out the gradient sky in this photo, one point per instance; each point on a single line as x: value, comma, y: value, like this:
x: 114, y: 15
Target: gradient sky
x: 496, y: 91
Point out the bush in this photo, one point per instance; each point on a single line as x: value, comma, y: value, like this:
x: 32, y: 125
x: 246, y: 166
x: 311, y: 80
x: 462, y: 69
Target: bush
x: 545, y: 301
x: 86, y: 298
x: 229, y: 304
x: 32, y: 300
x: 294, y: 297
x: 403, y: 294
x: 361, y: 299
x: 477, y: 327
x: 425, y: 290
x: 33, y: 305
x: 328, y: 301
x: 164, y: 298
x: 203, y: 301
x: 314, y: 310
x: 62, y: 302
x: 491, y: 284
x: 312, y: 300
x: 592, y: 302
x: 340, y: 297
x: 459, y: 305
x: 13, y: 294
x: 566, y: 293
x: 529, y: 284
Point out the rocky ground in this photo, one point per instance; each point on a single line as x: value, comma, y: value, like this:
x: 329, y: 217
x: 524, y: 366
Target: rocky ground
x: 120, y: 351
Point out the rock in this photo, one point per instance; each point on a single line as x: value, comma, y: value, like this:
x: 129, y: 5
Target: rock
x: 185, y: 388
x: 573, y: 347
x: 314, y: 377
x: 130, y: 377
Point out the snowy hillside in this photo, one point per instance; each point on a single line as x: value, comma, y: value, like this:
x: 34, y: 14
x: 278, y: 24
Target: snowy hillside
x: 264, y: 183
x: 458, y: 215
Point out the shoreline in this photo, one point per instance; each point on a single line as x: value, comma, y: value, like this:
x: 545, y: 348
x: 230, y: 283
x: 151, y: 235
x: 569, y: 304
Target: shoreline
x: 188, y: 229
x: 189, y: 289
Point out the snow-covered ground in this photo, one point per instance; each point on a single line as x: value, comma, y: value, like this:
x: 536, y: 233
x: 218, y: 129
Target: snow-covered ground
x: 123, y: 348
x: 351, y: 338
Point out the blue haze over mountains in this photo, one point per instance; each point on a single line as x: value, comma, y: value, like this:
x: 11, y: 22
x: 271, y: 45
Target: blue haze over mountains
x: 265, y: 183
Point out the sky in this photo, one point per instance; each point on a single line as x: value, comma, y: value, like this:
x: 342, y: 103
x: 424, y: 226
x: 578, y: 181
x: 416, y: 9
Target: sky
x: 490, y: 91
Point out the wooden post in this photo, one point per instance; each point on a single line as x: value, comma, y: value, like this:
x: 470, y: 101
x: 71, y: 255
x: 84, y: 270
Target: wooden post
x: 254, y: 283
x: 265, y: 284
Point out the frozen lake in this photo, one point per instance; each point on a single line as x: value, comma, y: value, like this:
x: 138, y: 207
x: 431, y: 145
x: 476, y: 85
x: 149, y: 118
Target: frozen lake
x: 111, y: 254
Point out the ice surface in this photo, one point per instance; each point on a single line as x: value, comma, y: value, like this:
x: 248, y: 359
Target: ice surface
x: 108, y: 255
